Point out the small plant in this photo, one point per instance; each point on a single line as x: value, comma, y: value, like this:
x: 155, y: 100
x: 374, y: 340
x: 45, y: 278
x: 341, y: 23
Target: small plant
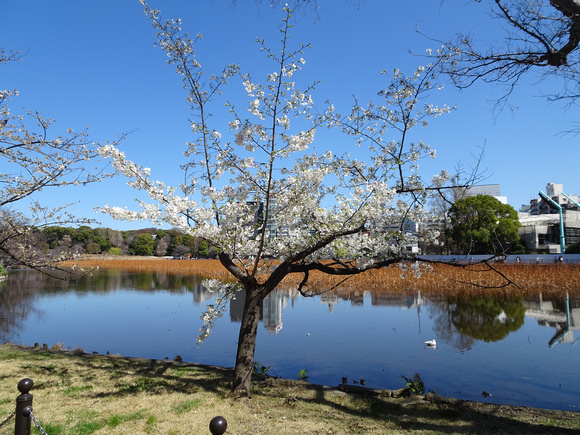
x: 259, y: 370
x: 3, y: 271
x: 414, y: 386
x: 303, y: 375
x: 150, y: 424
x: 186, y: 406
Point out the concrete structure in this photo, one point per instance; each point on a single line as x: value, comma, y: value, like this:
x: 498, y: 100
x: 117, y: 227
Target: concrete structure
x: 484, y: 189
x: 541, y: 223
x: 555, y: 191
x: 272, y: 228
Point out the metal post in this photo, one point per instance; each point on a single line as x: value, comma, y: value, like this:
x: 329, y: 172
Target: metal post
x: 22, y: 423
x: 218, y: 425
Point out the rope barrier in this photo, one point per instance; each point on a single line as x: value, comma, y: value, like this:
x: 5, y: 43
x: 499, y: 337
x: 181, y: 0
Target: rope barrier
x: 7, y: 419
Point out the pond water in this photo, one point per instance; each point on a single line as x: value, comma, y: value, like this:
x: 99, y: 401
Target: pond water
x: 521, y: 351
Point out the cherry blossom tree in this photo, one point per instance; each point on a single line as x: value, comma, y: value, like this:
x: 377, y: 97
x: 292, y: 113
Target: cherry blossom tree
x: 268, y: 200
x: 34, y: 159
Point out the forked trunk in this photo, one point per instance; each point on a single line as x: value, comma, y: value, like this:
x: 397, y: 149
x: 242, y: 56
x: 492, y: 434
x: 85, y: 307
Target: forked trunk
x: 247, y: 341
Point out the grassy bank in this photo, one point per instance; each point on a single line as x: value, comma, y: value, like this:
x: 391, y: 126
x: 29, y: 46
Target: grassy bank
x: 76, y: 393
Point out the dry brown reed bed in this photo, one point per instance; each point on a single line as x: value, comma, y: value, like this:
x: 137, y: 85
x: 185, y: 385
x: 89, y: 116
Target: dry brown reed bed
x: 444, y: 280
x: 205, y: 268
x: 508, y: 280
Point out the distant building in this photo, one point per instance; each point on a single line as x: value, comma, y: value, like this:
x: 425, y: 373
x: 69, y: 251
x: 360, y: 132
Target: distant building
x: 411, y: 230
x: 484, y: 189
x: 257, y: 209
x: 556, y: 193
x: 541, y: 220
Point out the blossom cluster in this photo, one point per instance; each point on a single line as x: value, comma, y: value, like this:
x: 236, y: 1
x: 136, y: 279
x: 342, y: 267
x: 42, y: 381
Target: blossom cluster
x: 225, y: 292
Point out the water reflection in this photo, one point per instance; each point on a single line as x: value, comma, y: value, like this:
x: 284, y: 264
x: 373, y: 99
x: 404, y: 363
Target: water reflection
x: 19, y: 292
x: 271, y: 313
x: 272, y: 308
x: 461, y: 322
x: 458, y: 321
x: 378, y: 336
x: 486, y: 318
x: 564, y: 317
x: 16, y: 300
x: 441, y: 315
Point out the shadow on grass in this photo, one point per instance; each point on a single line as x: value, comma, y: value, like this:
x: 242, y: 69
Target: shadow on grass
x: 133, y: 375
x: 421, y: 415
x: 129, y: 376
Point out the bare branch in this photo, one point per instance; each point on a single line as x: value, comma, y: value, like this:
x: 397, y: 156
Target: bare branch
x: 540, y: 36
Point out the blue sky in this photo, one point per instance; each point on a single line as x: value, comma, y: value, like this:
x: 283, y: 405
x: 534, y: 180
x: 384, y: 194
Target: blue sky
x: 92, y: 64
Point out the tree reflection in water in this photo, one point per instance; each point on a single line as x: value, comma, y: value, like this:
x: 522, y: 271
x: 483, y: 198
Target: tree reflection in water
x: 17, y: 293
x: 441, y: 313
x: 458, y: 321
x: 487, y: 319
x: 15, y: 301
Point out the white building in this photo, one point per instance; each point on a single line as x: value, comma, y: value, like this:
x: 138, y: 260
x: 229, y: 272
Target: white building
x: 484, y: 189
x: 555, y: 192
x: 541, y: 220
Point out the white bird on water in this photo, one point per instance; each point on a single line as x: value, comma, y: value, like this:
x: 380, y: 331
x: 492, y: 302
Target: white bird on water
x: 431, y: 343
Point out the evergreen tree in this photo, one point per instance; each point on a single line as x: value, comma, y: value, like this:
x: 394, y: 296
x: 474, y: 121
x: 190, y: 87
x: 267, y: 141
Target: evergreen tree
x: 483, y: 225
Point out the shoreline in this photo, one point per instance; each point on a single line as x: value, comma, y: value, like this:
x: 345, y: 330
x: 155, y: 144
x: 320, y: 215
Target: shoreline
x: 346, y: 388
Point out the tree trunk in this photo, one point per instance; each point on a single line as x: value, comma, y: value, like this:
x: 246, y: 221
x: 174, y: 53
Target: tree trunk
x: 247, y: 341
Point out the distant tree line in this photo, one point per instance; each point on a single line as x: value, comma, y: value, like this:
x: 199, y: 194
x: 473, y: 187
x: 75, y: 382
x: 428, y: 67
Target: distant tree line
x: 472, y: 225
x: 147, y: 242
x: 477, y: 225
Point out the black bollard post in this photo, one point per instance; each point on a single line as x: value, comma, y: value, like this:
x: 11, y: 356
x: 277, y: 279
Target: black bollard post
x: 23, y: 406
x: 218, y: 425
